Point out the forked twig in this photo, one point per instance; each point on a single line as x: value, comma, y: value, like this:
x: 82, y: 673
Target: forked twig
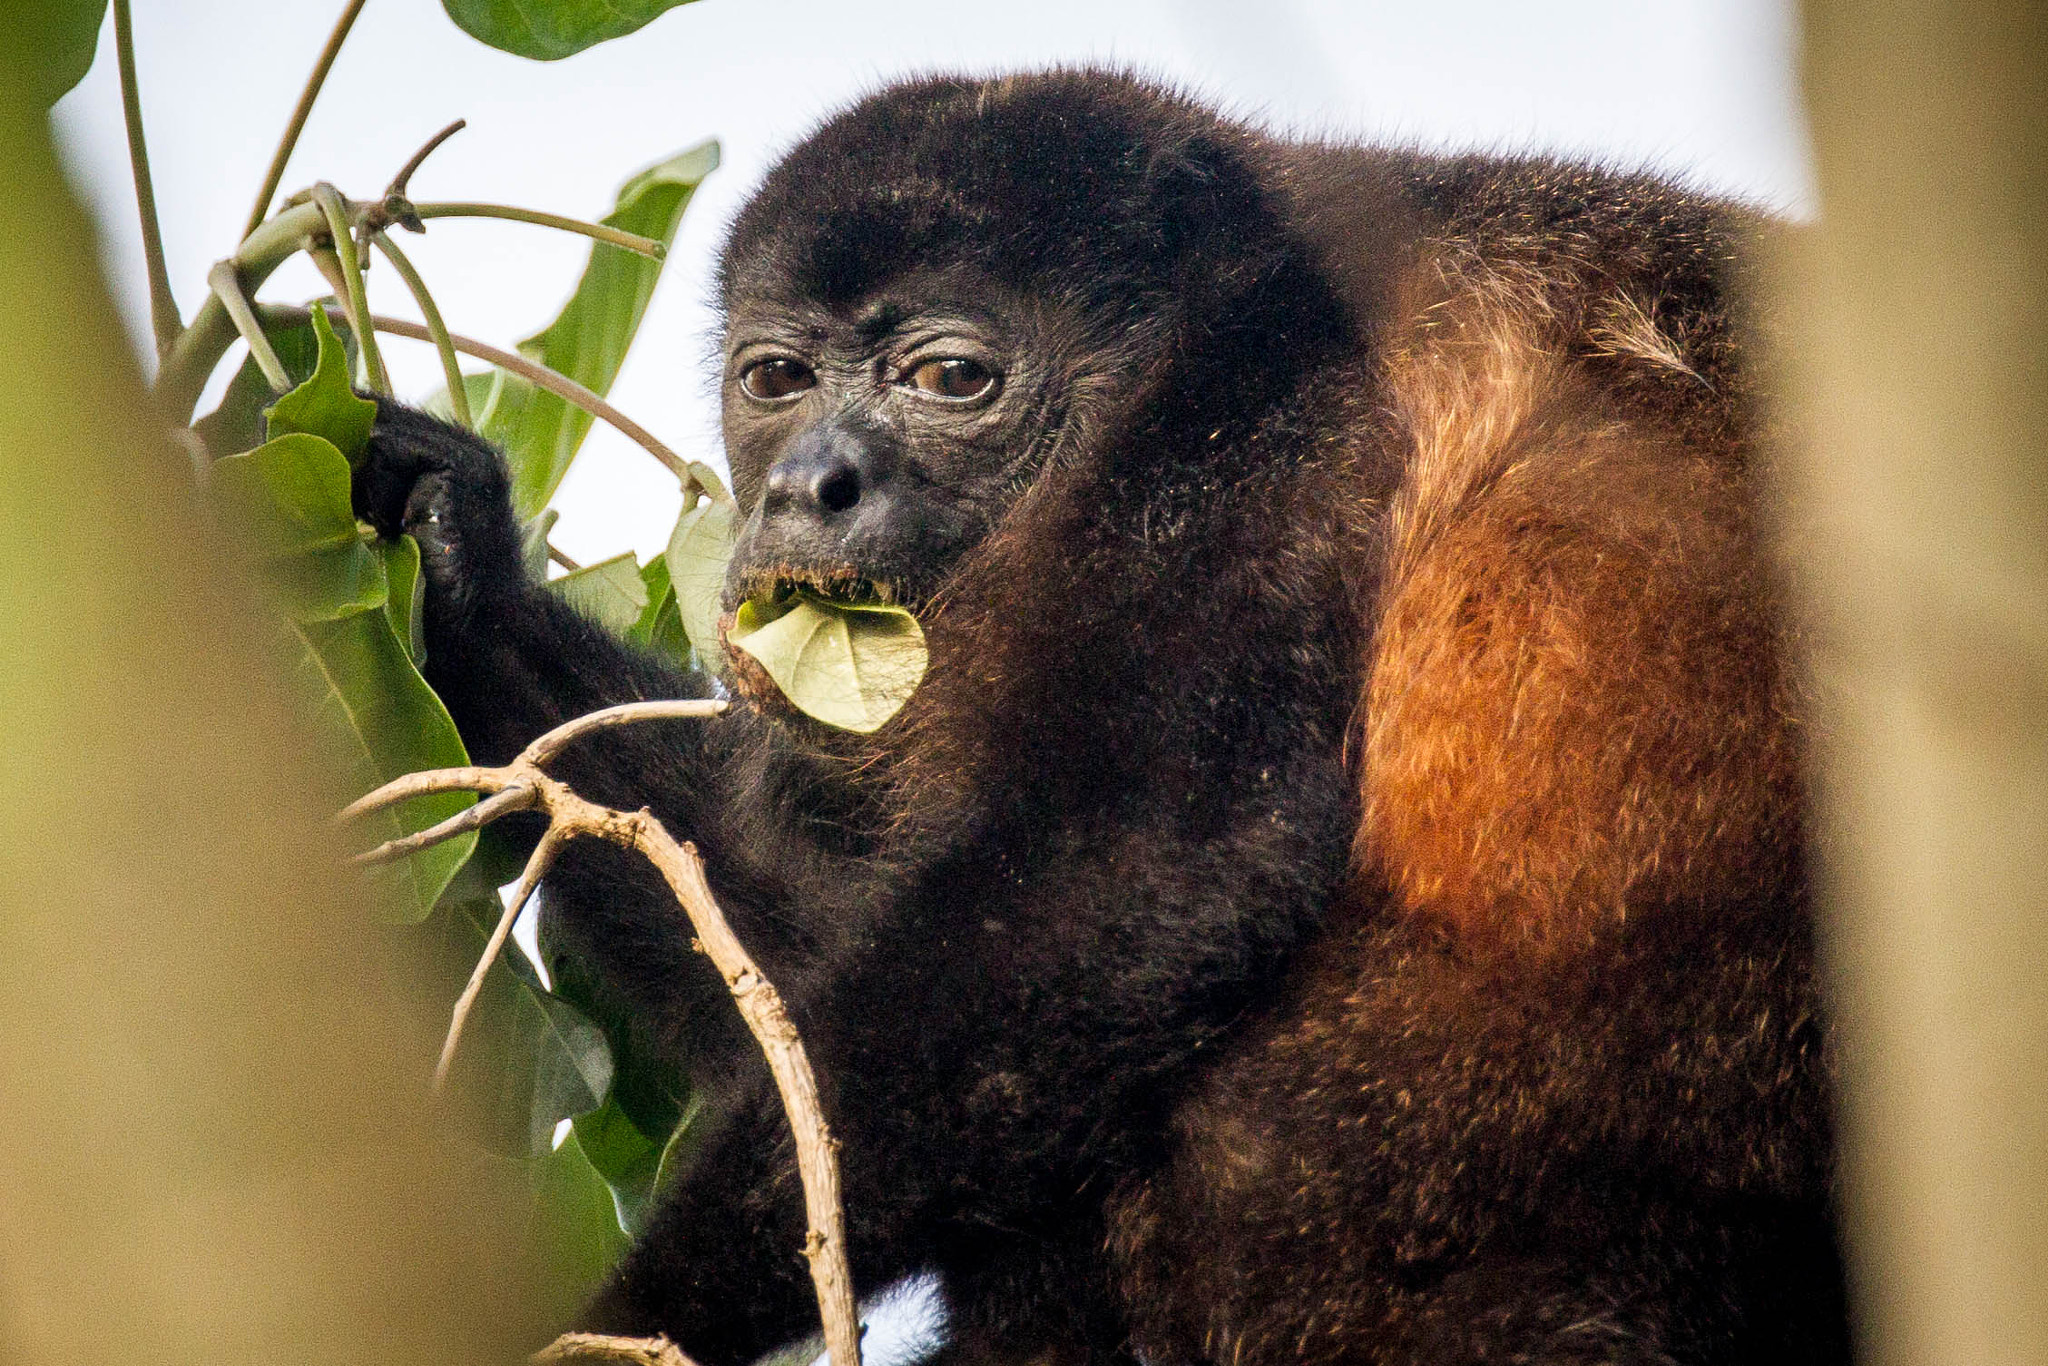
x: 401, y: 182
x: 522, y: 785
x: 603, y: 1347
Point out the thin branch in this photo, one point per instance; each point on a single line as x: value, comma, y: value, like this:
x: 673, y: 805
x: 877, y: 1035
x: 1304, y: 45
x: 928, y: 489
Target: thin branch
x: 554, y: 382
x: 603, y: 232
x: 228, y: 289
x: 163, y: 305
x: 513, y: 798
x: 536, y: 868
x: 561, y: 737
x: 563, y: 560
x: 571, y: 1348
x: 336, y: 210
x: 275, y: 176
x: 768, y: 1019
x: 396, y: 189
x: 424, y: 784
x: 759, y: 1003
x: 458, y: 394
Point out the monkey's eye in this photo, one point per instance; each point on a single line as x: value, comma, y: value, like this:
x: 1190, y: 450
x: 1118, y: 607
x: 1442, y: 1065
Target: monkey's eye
x: 953, y: 377
x: 776, y: 378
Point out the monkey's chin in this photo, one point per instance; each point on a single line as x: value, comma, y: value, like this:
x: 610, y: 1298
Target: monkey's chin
x: 747, y: 679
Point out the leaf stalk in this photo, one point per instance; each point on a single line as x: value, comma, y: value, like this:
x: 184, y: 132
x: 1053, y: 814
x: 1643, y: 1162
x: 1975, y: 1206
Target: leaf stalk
x: 163, y: 305
x: 336, y: 211
x: 458, y: 395
x: 228, y: 290
x: 275, y: 175
x: 603, y: 232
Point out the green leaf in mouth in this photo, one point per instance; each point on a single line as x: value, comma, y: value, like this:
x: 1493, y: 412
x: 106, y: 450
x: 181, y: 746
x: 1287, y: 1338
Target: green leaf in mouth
x: 850, y: 665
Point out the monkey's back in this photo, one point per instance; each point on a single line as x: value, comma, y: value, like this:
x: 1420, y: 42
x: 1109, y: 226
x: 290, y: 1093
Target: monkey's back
x: 1552, y: 1086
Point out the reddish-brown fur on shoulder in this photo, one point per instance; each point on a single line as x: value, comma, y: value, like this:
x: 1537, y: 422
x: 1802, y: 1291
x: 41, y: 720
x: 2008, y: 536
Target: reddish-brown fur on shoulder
x: 1573, y: 711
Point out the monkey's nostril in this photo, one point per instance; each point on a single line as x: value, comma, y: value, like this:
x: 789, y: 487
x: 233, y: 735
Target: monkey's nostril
x: 837, y: 489
x: 785, y: 486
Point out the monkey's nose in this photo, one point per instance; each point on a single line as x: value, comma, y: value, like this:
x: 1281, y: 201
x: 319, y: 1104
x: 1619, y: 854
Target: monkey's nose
x: 826, y: 473
x: 833, y: 488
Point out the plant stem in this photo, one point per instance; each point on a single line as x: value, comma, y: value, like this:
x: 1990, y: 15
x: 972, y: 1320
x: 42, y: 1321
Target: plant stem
x: 458, y: 395
x: 557, y: 384
x: 195, y: 352
x: 229, y: 291
x: 275, y: 176
x: 335, y: 209
x: 603, y: 232
x: 537, y: 865
x: 400, y: 181
x: 163, y: 305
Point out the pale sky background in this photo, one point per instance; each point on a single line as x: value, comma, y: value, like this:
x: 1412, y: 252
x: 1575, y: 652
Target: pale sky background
x: 1701, y: 88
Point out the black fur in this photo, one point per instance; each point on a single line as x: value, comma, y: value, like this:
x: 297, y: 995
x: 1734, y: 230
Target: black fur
x: 1119, y: 1035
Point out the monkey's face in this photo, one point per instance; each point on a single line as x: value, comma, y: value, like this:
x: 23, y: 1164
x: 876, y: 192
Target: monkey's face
x: 875, y: 442
x: 958, y: 288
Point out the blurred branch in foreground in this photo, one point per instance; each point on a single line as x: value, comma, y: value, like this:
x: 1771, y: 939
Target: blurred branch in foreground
x: 1918, y: 531
x: 220, y: 1150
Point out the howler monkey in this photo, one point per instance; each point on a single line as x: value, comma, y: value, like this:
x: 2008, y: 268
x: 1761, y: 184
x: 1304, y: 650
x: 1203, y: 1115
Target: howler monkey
x: 1337, y: 893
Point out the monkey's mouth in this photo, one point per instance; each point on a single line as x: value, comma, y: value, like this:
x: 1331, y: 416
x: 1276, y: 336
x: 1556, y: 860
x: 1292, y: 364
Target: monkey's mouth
x: 839, y: 584
x: 834, y: 644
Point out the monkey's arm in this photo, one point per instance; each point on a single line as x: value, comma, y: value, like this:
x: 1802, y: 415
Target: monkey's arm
x: 509, y: 658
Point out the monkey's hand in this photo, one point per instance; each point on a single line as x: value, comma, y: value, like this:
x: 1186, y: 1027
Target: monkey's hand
x: 449, y: 490
x: 509, y: 658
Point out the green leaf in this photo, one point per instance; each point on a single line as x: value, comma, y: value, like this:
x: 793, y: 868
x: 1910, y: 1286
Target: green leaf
x: 646, y: 1083
x: 290, y: 500
x: 575, y: 1230
x: 540, y: 433
x: 685, y: 1145
x: 610, y: 592
x: 627, y: 1159
x: 849, y: 665
x: 406, y: 605
x: 380, y: 721
x: 326, y: 403
x: 533, y: 543
x: 548, y: 30
x: 698, y: 551
x: 48, y: 45
x: 660, y: 627
x: 657, y: 589
x: 237, y: 424
x: 476, y: 387
x: 637, y: 1136
x: 528, y: 1059
x: 355, y: 671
